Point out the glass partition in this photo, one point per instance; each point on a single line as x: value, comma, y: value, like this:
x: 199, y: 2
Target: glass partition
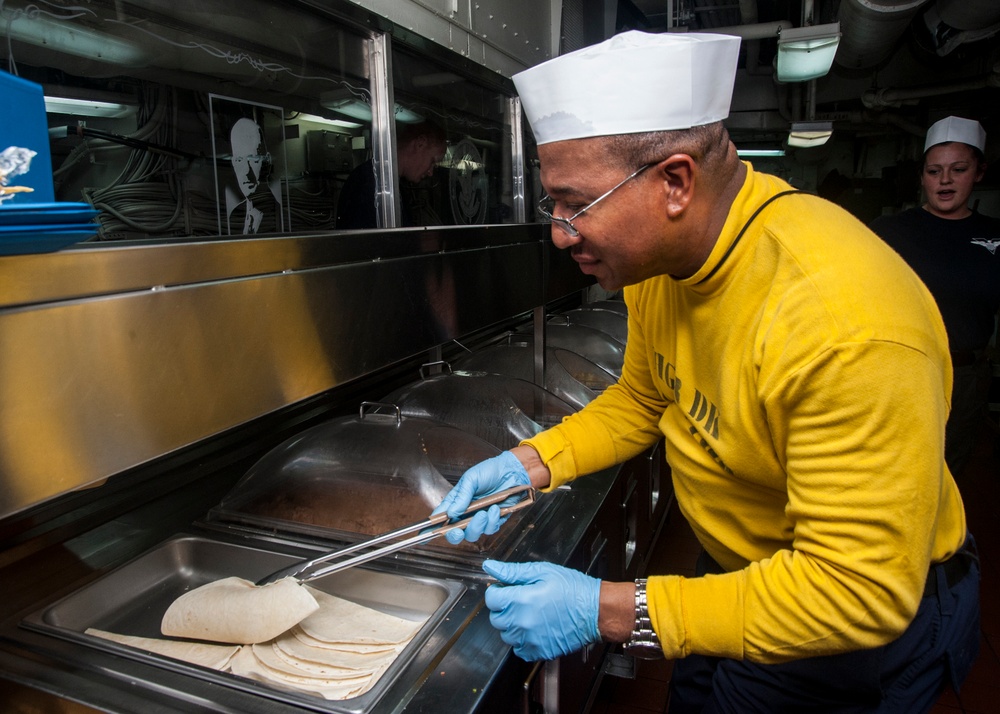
x: 195, y: 117
x: 473, y: 181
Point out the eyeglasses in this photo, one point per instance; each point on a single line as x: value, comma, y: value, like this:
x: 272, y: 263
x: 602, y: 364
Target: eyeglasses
x: 547, y: 205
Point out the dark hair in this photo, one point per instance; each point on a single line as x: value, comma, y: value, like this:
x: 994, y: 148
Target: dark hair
x: 408, y: 133
x: 707, y: 144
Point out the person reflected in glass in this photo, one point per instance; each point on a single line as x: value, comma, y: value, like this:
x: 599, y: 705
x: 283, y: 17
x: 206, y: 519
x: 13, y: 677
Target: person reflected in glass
x: 254, y: 204
x: 420, y: 147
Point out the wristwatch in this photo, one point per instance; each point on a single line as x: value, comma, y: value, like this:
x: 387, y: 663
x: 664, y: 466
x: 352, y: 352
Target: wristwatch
x: 643, y: 642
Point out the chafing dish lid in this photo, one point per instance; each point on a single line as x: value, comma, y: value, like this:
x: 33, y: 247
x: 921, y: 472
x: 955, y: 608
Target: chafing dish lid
x: 614, y: 305
x: 362, y: 475
x: 568, y: 375
x: 610, y: 322
x: 500, y: 409
x: 588, y: 342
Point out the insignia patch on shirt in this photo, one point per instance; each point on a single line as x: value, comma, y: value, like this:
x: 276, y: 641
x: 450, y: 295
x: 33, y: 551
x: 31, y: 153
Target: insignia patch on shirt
x: 990, y: 245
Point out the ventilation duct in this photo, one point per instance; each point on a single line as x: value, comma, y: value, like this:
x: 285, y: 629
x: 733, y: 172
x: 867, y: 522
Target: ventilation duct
x: 951, y: 23
x: 871, y: 29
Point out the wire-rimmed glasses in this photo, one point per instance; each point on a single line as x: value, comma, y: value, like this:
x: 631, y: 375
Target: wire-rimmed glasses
x: 546, y: 205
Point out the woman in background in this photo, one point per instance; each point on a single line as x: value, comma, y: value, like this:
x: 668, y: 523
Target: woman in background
x: 953, y: 249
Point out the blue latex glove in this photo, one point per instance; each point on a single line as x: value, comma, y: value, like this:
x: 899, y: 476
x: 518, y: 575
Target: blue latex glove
x: 485, y: 478
x: 543, y: 610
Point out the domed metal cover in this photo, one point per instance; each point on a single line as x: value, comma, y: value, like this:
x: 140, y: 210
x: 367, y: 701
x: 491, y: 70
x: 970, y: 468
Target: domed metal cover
x: 499, y: 409
x: 354, y: 476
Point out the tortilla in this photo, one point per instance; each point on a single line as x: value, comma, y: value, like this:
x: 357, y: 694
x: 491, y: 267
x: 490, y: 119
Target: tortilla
x: 339, y: 620
x: 212, y: 656
x: 267, y: 656
x: 290, y: 648
x: 354, y: 647
x: 236, y: 611
x: 246, y: 664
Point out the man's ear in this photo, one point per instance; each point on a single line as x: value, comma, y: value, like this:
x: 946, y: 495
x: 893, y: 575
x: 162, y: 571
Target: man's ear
x: 677, y: 176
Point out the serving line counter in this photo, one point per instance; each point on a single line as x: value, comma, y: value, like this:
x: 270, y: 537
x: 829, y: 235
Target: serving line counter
x: 119, y: 533
x: 459, y: 663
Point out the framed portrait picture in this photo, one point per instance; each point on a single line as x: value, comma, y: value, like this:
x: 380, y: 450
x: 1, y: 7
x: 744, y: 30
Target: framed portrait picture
x: 250, y: 165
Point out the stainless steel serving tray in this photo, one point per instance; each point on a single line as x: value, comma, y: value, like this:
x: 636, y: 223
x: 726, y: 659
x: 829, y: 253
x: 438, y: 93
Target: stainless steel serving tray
x: 131, y: 600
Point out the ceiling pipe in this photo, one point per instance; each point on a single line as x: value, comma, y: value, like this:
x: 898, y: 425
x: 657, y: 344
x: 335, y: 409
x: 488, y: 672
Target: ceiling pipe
x: 759, y: 31
x: 749, y: 16
x: 889, y: 97
x: 871, y: 28
x: 807, y: 13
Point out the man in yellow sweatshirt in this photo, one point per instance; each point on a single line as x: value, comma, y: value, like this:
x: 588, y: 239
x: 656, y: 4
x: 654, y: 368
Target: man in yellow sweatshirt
x: 799, y: 372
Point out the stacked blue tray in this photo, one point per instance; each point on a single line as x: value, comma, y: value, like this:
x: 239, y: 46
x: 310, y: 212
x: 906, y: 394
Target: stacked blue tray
x: 44, y: 227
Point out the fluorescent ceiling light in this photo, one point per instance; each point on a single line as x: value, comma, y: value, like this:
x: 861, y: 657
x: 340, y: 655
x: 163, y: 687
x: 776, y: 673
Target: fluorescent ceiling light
x: 356, y: 108
x: 806, y: 53
x: 810, y: 133
x: 760, y: 152
x: 72, y: 38
x: 332, y: 122
x: 348, y: 106
x: 88, y: 107
x: 406, y: 116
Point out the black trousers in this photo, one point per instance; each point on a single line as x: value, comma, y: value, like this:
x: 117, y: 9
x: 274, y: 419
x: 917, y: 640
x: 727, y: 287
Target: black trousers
x: 906, y: 676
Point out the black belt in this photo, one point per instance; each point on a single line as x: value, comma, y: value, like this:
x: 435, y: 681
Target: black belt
x: 955, y: 568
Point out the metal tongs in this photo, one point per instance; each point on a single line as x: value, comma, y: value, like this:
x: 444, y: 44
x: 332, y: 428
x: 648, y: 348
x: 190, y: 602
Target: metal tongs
x: 303, y: 571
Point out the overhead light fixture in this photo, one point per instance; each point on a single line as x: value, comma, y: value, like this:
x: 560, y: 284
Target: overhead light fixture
x: 805, y: 134
x: 406, y: 116
x: 348, y: 104
x: 59, y: 35
x: 760, y: 152
x: 806, y: 53
x: 332, y: 122
x: 88, y: 107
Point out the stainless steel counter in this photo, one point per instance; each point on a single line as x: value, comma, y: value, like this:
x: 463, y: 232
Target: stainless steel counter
x: 145, y: 381
x: 462, y: 667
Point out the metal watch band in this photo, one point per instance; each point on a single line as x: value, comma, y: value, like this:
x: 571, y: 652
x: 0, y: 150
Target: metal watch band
x: 643, y: 641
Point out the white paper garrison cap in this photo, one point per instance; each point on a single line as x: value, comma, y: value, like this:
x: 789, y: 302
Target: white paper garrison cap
x: 966, y: 131
x: 633, y: 82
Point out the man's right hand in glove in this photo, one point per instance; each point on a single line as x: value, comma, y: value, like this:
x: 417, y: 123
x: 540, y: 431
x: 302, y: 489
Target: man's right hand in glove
x: 484, y: 479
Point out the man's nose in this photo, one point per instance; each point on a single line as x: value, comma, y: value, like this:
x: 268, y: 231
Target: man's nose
x: 562, y: 239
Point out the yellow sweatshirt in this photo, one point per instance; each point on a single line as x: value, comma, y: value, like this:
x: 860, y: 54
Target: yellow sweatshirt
x: 801, y: 379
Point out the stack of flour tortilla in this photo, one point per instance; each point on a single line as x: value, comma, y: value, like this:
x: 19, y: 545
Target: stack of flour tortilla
x: 285, y: 634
